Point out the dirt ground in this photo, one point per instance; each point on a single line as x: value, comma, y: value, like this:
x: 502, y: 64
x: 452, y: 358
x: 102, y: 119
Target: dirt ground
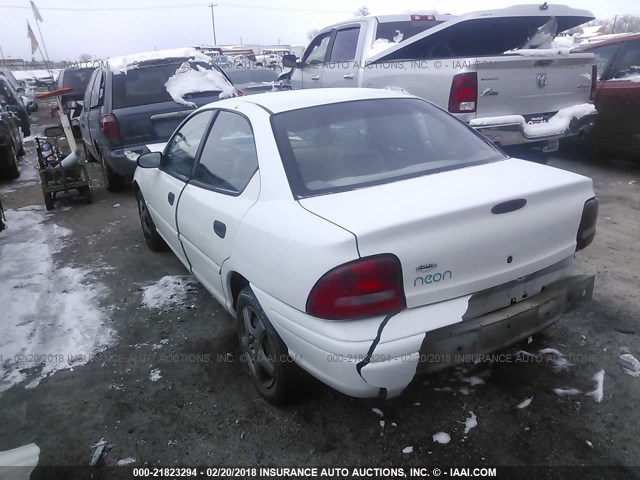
x: 204, y: 410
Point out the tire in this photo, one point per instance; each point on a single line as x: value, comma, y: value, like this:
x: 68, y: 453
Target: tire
x: 21, y: 151
x: 271, y: 369
x: 48, y: 201
x: 12, y: 171
x: 154, y: 241
x: 35, y: 107
x: 86, y: 194
x: 112, y: 181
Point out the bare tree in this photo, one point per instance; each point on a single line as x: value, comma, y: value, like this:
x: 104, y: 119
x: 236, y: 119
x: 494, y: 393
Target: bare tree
x: 84, y: 57
x: 619, y: 24
x: 363, y: 11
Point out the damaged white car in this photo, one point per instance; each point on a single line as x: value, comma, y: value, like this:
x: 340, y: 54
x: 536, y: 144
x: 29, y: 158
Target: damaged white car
x: 365, y: 235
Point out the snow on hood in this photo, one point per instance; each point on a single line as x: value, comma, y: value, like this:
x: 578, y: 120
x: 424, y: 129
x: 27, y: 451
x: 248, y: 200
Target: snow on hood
x: 51, y: 319
x: 126, y: 62
x: 186, y: 80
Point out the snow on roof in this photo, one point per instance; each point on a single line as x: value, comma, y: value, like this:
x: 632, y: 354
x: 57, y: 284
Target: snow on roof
x: 123, y: 63
x: 186, y: 80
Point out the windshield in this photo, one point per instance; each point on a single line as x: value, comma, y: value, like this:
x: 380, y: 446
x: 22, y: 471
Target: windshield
x: 77, y: 79
x: 339, y: 147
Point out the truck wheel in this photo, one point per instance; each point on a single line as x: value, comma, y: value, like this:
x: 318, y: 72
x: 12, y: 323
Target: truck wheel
x: 112, y: 181
x: 154, y: 241
x: 48, y: 201
x: 266, y: 355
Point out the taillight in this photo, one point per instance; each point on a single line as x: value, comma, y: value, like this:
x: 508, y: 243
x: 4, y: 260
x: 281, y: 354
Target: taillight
x: 587, y: 229
x: 109, y: 127
x: 594, y: 81
x: 464, y: 93
x: 364, y: 288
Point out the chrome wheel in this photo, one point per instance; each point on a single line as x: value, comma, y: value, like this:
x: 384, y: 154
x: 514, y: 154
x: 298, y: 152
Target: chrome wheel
x: 257, y: 348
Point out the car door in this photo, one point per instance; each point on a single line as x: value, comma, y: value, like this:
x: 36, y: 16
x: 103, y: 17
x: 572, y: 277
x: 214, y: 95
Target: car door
x: 223, y: 188
x: 618, y: 97
x: 91, y: 102
x: 313, y: 61
x: 341, y: 67
x: 165, y: 184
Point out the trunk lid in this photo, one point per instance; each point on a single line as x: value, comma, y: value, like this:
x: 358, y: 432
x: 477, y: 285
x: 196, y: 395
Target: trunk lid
x: 442, y: 229
x: 474, y: 34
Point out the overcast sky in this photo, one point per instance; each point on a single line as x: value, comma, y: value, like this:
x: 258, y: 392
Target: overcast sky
x: 117, y: 27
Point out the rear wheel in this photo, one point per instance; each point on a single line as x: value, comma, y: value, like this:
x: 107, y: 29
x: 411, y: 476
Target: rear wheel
x: 12, y: 171
x: 112, y: 181
x: 154, y: 241
x: 266, y: 355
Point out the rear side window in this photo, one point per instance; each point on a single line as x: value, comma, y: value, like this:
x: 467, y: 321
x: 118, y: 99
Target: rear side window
x: 229, y: 159
x: 628, y: 67
x: 393, y: 31
x: 96, y: 89
x: 345, y: 45
x: 340, y: 147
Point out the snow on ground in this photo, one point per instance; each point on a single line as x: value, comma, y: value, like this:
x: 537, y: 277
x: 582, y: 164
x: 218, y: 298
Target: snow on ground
x: 598, y: 391
x: 566, y: 392
x: 441, y: 437
x: 377, y: 411
x: 168, y: 291
x: 126, y: 62
x: 126, y: 461
x: 154, y: 376
x: 630, y: 365
x: 470, y: 423
x: 556, y: 125
x: 186, y: 80
x: 525, y: 403
x: 408, y: 449
x: 51, y: 319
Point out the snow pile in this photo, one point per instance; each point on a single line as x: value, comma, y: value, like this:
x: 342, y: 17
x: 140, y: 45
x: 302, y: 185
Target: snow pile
x: 598, y: 391
x: 407, y: 449
x: 126, y: 461
x: 525, y: 403
x: 51, y: 320
x: 441, y: 437
x: 556, y: 125
x: 154, y: 376
x: 630, y: 365
x: 566, y: 392
x: 470, y: 423
x: 540, y: 52
x: 168, y: 291
x: 186, y: 80
x: 127, y: 62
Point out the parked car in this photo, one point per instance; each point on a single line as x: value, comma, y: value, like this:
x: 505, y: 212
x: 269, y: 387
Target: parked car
x: 10, y: 142
x: 27, y: 93
x: 250, y: 81
x: 139, y: 100
x: 10, y: 97
x: 511, y: 87
x: 77, y: 79
x: 617, y: 95
x: 331, y: 224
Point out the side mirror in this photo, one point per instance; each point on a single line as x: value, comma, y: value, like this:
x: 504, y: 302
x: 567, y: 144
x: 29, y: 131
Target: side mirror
x: 150, y: 160
x: 290, y: 61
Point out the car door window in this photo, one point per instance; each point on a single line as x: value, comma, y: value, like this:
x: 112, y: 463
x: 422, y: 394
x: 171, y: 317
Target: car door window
x: 181, y: 152
x: 344, y: 45
x: 229, y: 159
x: 317, y: 50
x: 604, y: 55
x: 87, y: 93
x: 627, y: 67
x: 94, y: 100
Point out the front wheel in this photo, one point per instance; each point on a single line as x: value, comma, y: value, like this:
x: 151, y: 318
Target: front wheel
x: 48, y: 201
x: 266, y: 355
x: 154, y: 241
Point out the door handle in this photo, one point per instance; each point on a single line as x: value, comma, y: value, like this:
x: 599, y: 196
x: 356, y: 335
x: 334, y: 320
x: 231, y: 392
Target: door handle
x: 220, y: 228
x: 349, y: 76
x: 171, y: 198
x: 315, y: 77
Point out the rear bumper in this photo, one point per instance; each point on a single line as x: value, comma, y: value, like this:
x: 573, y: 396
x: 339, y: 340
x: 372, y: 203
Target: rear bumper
x: 514, y: 133
x: 126, y: 165
x: 470, y: 340
x: 381, y: 356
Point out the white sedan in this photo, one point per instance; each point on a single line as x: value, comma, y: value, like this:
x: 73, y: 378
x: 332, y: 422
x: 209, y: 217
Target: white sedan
x: 364, y: 235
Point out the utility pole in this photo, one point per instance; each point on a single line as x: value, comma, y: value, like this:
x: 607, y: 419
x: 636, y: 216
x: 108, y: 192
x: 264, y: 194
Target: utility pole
x: 613, y: 29
x: 4, y: 64
x: 213, y: 23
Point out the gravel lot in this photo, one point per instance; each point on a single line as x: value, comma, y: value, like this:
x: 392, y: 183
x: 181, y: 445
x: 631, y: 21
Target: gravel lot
x: 169, y: 390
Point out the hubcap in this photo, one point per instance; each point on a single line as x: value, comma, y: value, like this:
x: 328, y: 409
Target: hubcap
x: 257, y: 348
x: 144, y: 217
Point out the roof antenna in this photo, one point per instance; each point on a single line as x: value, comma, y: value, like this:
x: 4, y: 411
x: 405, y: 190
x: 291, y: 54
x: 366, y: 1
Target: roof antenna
x: 544, y: 6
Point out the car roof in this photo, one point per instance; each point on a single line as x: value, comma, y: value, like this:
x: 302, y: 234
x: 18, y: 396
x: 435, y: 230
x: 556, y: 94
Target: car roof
x: 622, y: 38
x: 277, y: 102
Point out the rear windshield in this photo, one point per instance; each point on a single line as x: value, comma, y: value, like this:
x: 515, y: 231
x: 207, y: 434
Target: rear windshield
x: 77, y: 79
x: 393, y: 31
x: 252, y: 75
x: 340, y: 147
x: 146, y: 85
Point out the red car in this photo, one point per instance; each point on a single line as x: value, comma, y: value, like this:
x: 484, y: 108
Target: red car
x: 617, y: 96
